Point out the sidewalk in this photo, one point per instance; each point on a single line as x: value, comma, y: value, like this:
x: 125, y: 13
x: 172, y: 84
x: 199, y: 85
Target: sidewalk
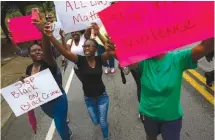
x: 10, y: 73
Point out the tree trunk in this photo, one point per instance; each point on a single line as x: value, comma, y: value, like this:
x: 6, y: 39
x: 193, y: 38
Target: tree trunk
x: 3, y: 24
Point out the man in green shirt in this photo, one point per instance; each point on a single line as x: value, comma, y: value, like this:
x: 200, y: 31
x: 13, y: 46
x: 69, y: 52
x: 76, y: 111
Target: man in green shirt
x: 161, y: 80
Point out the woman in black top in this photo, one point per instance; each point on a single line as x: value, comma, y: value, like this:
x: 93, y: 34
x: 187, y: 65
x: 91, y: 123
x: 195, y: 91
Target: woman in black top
x: 90, y: 67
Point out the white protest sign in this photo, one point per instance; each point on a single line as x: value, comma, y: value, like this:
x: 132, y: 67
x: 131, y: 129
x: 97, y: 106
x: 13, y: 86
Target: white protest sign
x: 37, y: 89
x: 78, y: 15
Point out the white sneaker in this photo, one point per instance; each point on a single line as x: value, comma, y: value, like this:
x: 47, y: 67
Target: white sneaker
x: 112, y: 70
x: 126, y: 70
x: 71, y: 136
x: 107, y: 70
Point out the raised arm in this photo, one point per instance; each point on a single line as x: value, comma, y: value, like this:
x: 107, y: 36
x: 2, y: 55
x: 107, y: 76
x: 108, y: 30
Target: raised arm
x: 97, y: 32
x: 68, y: 54
x: 46, y: 45
x: 47, y: 50
x: 110, y: 50
x: 63, y: 38
x: 204, y: 48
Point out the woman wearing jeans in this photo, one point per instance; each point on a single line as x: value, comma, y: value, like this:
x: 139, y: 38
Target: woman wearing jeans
x: 90, y: 67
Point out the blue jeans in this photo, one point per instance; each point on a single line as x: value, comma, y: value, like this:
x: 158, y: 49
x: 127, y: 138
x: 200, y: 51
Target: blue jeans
x: 98, y: 108
x: 57, y: 109
x: 110, y: 62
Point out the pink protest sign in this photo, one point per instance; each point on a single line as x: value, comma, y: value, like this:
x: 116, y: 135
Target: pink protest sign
x: 23, y: 30
x: 141, y: 30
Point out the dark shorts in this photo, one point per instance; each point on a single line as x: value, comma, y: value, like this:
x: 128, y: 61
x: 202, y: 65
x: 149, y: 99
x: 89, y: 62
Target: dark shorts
x: 169, y: 130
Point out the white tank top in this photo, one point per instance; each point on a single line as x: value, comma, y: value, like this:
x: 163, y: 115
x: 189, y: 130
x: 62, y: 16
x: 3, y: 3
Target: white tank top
x: 76, y: 49
x: 79, y: 48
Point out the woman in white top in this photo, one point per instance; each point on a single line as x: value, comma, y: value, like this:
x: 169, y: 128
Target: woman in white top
x: 75, y: 45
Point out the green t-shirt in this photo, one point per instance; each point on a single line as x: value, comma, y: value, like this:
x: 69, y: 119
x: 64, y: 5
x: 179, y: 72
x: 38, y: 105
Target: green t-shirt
x: 161, y: 82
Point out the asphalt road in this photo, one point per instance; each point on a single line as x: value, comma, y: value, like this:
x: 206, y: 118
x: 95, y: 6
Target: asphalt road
x: 198, y: 120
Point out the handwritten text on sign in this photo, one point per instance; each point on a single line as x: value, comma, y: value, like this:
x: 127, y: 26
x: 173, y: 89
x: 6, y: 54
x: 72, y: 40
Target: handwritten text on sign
x: 78, y: 15
x: 141, y: 30
x: 38, y: 89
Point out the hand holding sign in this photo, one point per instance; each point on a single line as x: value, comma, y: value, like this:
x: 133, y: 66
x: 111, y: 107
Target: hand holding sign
x: 95, y: 28
x: 23, y: 77
x: 48, y: 29
x: 35, y: 91
x: 39, y: 24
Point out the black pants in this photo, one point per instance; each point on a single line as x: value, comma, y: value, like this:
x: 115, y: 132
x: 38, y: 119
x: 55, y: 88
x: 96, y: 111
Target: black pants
x: 169, y: 130
x: 136, y: 74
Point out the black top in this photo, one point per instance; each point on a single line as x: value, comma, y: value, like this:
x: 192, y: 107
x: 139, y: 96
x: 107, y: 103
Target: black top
x: 54, y: 70
x: 93, y: 85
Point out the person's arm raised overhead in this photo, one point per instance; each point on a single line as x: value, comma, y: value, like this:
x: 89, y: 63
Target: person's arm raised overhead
x: 204, y: 48
x: 110, y: 50
x: 95, y: 27
x: 63, y: 38
x: 46, y: 45
x: 69, y: 55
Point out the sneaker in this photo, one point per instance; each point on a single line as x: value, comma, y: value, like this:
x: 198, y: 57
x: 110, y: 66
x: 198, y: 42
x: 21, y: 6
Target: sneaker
x: 67, y: 120
x: 112, y: 70
x: 140, y: 116
x: 209, y: 80
x: 107, y: 70
x: 126, y: 70
x: 71, y: 136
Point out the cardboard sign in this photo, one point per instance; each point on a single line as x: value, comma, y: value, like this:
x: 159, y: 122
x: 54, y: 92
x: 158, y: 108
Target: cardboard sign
x: 38, y: 89
x: 78, y: 15
x: 23, y: 30
x: 142, y: 30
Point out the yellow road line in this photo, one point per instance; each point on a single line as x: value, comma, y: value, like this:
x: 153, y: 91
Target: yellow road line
x: 199, y: 88
x: 200, y: 77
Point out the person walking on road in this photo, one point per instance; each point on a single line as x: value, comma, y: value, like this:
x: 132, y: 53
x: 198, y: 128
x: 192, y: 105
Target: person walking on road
x: 90, y: 67
x: 74, y: 45
x: 161, y: 81
x: 57, y: 109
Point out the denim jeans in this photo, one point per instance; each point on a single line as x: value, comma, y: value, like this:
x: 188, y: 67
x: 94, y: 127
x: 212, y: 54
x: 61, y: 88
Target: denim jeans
x: 57, y: 109
x: 110, y: 62
x: 98, y: 109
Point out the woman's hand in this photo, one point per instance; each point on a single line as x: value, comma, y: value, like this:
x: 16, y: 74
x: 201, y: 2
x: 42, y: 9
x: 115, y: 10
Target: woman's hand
x: 95, y: 27
x: 62, y: 33
x: 39, y: 24
x: 109, y: 45
x: 48, y: 30
x: 204, y: 48
x: 23, y: 77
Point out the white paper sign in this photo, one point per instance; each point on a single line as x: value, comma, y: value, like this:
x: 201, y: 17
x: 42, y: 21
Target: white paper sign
x: 78, y: 15
x: 38, y: 89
